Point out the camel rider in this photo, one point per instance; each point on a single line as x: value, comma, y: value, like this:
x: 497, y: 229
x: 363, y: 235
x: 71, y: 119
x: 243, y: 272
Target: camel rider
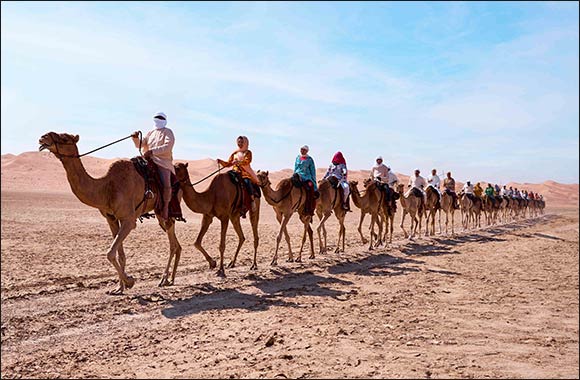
x: 490, y: 193
x: 469, y: 190
x: 157, y: 145
x: 305, y: 169
x: 449, y: 186
x: 497, y: 189
x: 478, y: 190
x: 510, y: 192
x: 416, y: 181
x: 240, y: 161
x: 380, y: 171
x: 338, y: 169
x: 504, y: 191
x: 393, y: 179
x: 435, y: 181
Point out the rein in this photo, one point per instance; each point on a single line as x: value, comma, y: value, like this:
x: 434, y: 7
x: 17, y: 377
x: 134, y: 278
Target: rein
x: 94, y: 150
x: 204, y: 178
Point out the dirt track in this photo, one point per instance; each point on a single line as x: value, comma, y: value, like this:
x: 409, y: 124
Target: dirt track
x: 497, y: 302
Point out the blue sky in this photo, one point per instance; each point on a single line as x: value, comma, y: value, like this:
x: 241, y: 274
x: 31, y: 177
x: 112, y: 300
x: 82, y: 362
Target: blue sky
x: 488, y: 90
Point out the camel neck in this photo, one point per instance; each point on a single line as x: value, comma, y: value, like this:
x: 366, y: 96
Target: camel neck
x: 356, y: 197
x: 198, y: 202
x: 273, y: 197
x: 85, y: 187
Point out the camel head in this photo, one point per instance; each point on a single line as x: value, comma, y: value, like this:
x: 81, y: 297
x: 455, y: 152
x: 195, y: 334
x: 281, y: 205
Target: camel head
x: 60, y: 144
x: 263, y: 178
x: 367, y: 182
x: 400, y: 188
x: 181, y: 172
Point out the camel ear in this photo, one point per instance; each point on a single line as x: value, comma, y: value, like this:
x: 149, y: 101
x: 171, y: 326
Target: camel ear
x: 76, y: 139
x: 267, y: 172
x: 187, y: 163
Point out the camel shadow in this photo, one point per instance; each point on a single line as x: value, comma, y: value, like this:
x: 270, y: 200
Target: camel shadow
x: 376, y: 265
x: 430, y: 249
x: 286, y: 285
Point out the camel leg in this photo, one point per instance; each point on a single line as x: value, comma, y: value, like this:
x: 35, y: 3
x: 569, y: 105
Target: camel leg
x: 174, y: 254
x: 224, y: 229
x: 254, y: 218
x: 403, y: 224
x: 440, y: 230
x: 362, y: 218
x: 285, y: 220
x: 304, y: 233
x: 319, y: 228
x: 124, y: 280
x: 343, y: 231
x: 311, y: 238
x: 114, y: 226
x: 235, y: 219
x: 205, y: 222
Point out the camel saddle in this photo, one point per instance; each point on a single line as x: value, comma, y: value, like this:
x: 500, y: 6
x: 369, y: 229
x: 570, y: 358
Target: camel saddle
x: 244, y: 194
x: 150, y: 173
x: 311, y: 195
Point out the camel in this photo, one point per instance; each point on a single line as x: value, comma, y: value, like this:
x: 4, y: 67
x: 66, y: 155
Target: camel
x: 447, y: 207
x: 329, y: 202
x: 120, y: 198
x: 286, y: 200
x: 389, y: 209
x: 411, y: 205
x: 368, y: 204
x: 220, y: 200
x: 466, y: 205
x: 432, y: 205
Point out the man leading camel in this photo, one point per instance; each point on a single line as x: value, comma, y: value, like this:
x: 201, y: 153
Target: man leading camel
x: 158, y: 145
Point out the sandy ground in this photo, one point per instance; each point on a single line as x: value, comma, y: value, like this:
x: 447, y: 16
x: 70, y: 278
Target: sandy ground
x: 501, y: 301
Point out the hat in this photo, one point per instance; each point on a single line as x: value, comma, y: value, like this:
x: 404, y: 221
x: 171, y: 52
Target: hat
x: 305, y: 147
x: 160, y: 114
x: 380, y: 158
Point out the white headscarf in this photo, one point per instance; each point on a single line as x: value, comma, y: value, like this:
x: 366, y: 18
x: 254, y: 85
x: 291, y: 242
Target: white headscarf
x: 158, y: 122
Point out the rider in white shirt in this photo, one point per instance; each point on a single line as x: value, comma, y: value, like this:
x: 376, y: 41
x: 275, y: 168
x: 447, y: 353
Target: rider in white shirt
x: 468, y: 188
x: 393, y: 179
x: 380, y: 171
x: 417, y: 182
x: 434, y: 180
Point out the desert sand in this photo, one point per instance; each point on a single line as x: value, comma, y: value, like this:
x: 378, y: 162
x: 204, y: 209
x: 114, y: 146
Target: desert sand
x: 495, y: 302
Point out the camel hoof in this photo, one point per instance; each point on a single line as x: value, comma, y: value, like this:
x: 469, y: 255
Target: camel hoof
x: 221, y: 273
x: 130, y: 282
x: 212, y: 264
x: 254, y: 267
x: 117, y: 292
x: 365, y: 241
x: 231, y: 265
x: 274, y: 263
x: 311, y: 257
x: 289, y: 260
x: 298, y: 260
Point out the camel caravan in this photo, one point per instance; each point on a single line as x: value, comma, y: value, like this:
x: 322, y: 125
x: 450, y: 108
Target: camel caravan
x: 151, y: 185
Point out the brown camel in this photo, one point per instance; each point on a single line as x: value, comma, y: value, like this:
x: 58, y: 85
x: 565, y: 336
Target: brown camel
x: 328, y: 202
x: 388, y: 211
x: 368, y: 204
x: 432, y: 205
x: 286, y: 200
x: 466, y: 205
x: 220, y: 200
x: 120, y: 198
x: 411, y: 205
x: 447, y: 207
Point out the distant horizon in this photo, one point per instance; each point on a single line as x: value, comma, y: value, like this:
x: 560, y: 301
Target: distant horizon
x: 441, y: 175
x: 486, y: 89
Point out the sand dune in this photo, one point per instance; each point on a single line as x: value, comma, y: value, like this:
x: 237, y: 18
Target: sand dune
x: 42, y: 171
